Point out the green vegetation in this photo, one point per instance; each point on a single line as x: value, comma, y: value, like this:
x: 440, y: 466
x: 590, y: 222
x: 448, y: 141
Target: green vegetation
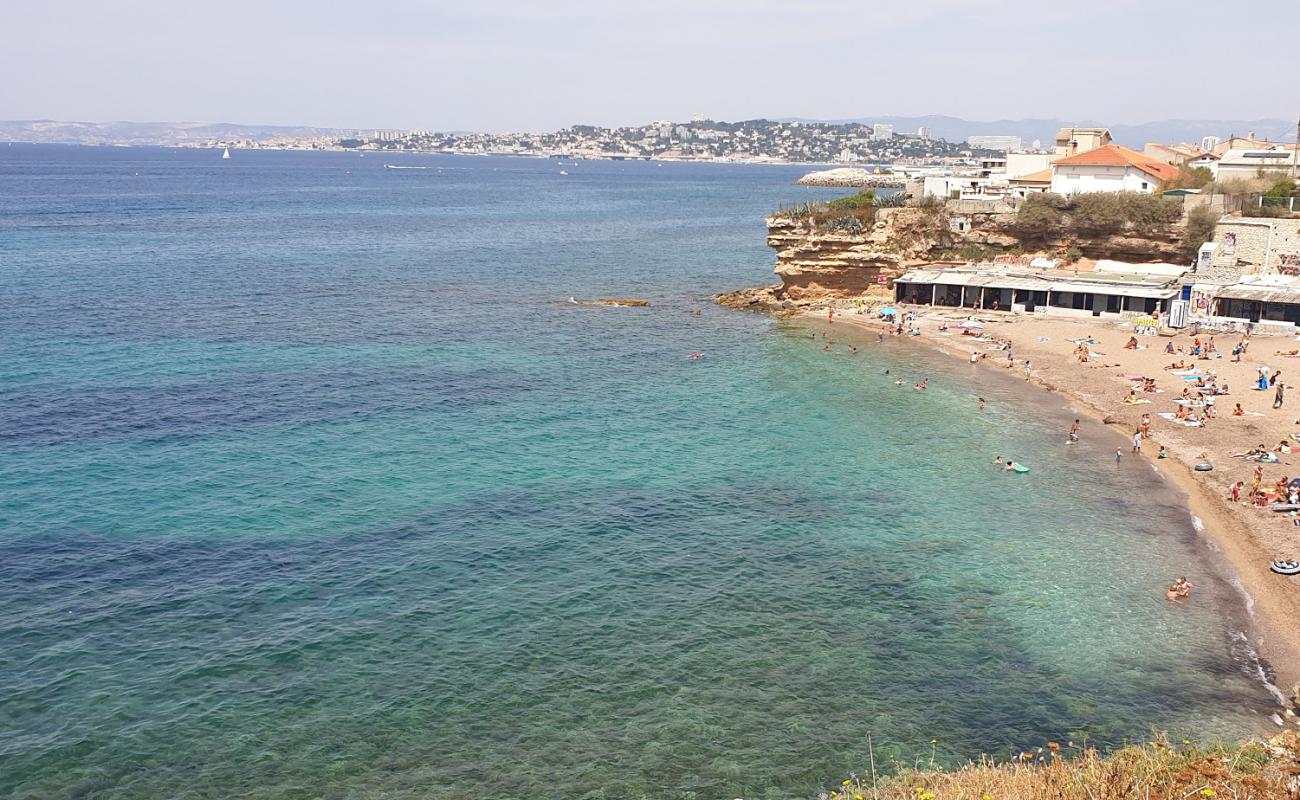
x: 1200, y: 229
x: 1072, y: 254
x: 1156, y: 771
x: 1191, y: 178
x: 1279, y: 199
x: 863, y: 199
x: 1042, y: 216
x: 852, y: 214
x: 891, y: 200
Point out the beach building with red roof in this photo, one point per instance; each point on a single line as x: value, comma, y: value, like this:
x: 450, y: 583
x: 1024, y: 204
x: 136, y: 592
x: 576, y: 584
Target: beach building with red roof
x: 1110, y: 168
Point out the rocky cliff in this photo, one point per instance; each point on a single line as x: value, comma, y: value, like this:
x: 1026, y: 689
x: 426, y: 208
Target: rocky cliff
x: 821, y: 255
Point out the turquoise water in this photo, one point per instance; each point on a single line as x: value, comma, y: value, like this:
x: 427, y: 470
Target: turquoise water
x: 314, y: 485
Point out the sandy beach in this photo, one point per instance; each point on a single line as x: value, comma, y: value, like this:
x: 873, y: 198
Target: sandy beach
x: 1249, y: 538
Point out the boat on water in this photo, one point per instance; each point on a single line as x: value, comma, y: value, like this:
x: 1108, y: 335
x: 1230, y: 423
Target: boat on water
x: 225, y: 153
x: 401, y: 166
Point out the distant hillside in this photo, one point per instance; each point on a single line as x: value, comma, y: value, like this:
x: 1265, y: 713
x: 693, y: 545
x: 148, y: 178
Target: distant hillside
x: 955, y: 129
x: 147, y: 133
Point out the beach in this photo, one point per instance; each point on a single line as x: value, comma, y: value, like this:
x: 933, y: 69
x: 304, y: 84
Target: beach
x: 1248, y: 538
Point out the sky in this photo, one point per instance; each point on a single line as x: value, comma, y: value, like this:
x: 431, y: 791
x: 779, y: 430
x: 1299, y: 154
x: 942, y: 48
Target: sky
x: 505, y: 65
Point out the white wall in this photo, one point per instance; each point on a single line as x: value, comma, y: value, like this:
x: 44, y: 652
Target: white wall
x: 1078, y: 178
x: 1027, y: 163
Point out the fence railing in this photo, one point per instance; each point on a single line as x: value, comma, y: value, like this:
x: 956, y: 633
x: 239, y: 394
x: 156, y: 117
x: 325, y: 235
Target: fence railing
x: 1289, y: 203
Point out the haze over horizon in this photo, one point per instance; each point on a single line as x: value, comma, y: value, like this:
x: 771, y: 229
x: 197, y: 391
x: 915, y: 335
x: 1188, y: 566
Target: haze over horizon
x: 517, y: 67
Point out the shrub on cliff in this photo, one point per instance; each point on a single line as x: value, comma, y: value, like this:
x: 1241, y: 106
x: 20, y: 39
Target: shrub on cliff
x: 845, y: 224
x: 1039, y: 216
x: 1110, y: 212
x: 1200, y: 229
x: 863, y: 199
x: 1044, y: 215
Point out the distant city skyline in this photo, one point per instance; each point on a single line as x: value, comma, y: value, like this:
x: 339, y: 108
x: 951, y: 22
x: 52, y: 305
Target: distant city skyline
x: 512, y: 66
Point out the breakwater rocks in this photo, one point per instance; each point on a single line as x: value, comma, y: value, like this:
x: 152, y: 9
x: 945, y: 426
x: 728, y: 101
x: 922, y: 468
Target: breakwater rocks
x: 852, y: 177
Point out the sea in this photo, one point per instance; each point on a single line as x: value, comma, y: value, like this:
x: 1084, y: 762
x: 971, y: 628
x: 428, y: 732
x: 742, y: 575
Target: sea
x: 314, y: 483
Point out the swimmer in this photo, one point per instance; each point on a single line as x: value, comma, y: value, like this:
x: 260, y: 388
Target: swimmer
x: 1179, y: 589
x: 981, y: 403
x: 695, y: 356
x: 998, y: 461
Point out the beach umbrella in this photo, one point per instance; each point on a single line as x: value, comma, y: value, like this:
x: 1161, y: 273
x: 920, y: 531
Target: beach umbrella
x: 972, y: 324
x: 887, y: 312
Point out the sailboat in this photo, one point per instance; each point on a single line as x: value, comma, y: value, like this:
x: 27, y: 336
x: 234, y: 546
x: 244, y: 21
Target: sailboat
x: 226, y: 153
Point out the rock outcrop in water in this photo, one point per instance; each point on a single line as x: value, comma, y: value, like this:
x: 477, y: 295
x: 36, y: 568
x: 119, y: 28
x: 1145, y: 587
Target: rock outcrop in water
x: 852, y: 177
x: 823, y: 255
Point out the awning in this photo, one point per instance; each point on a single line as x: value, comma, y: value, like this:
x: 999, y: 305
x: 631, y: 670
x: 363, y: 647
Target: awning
x: 1261, y: 294
x: 1035, y: 283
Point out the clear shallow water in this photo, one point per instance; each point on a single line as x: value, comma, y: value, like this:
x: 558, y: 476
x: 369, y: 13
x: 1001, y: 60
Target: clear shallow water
x: 314, y: 486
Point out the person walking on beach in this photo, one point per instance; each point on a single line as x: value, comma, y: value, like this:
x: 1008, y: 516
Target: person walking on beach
x: 1277, y: 397
x: 1234, y: 491
x: 830, y: 315
x: 1137, y: 441
x: 1074, y: 432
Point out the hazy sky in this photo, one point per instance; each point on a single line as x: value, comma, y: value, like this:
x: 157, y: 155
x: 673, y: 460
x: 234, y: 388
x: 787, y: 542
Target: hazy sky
x: 507, y: 65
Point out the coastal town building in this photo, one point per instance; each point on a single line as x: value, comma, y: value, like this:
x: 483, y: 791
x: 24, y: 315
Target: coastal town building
x: 994, y: 142
x: 1176, y: 154
x: 1249, y: 162
x: 1109, y: 168
x: 1032, y: 183
x: 1072, y: 141
x: 1113, y: 290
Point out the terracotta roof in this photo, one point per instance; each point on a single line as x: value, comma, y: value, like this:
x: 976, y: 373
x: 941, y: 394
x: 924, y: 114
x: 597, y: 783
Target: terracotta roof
x: 1042, y: 176
x: 1113, y: 155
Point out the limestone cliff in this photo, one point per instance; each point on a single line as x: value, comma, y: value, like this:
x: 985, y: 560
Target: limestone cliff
x: 821, y: 255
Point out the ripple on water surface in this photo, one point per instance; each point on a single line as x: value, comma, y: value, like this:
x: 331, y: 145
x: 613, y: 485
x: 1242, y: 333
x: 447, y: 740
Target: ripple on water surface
x: 420, y: 531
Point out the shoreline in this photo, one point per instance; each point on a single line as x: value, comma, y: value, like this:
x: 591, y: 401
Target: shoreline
x: 1272, y: 602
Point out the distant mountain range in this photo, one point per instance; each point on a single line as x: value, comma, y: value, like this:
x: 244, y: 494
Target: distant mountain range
x: 149, y: 133
x: 955, y: 129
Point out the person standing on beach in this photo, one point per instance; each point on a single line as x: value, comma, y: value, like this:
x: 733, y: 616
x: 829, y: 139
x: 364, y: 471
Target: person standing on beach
x: 1234, y: 492
x: 1119, y: 454
x: 1137, y: 441
x: 1074, y: 432
x: 1277, y: 397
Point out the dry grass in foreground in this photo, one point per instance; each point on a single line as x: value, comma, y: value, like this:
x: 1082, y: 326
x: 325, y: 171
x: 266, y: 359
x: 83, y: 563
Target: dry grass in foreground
x: 1158, y: 771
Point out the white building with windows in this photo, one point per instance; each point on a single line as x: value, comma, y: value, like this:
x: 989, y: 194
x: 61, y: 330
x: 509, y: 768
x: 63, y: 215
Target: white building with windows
x: 1110, y: 168
x: 994, y: 142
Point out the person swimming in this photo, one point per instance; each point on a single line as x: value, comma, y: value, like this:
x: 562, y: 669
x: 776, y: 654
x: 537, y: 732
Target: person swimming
x: 1179, y: 589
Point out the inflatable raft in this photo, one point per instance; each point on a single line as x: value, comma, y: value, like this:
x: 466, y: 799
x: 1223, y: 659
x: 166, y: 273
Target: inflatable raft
x: 1291, y: 567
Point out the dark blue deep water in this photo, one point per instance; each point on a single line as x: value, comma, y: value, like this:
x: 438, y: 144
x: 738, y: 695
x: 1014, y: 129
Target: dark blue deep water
x: 314, y: 485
